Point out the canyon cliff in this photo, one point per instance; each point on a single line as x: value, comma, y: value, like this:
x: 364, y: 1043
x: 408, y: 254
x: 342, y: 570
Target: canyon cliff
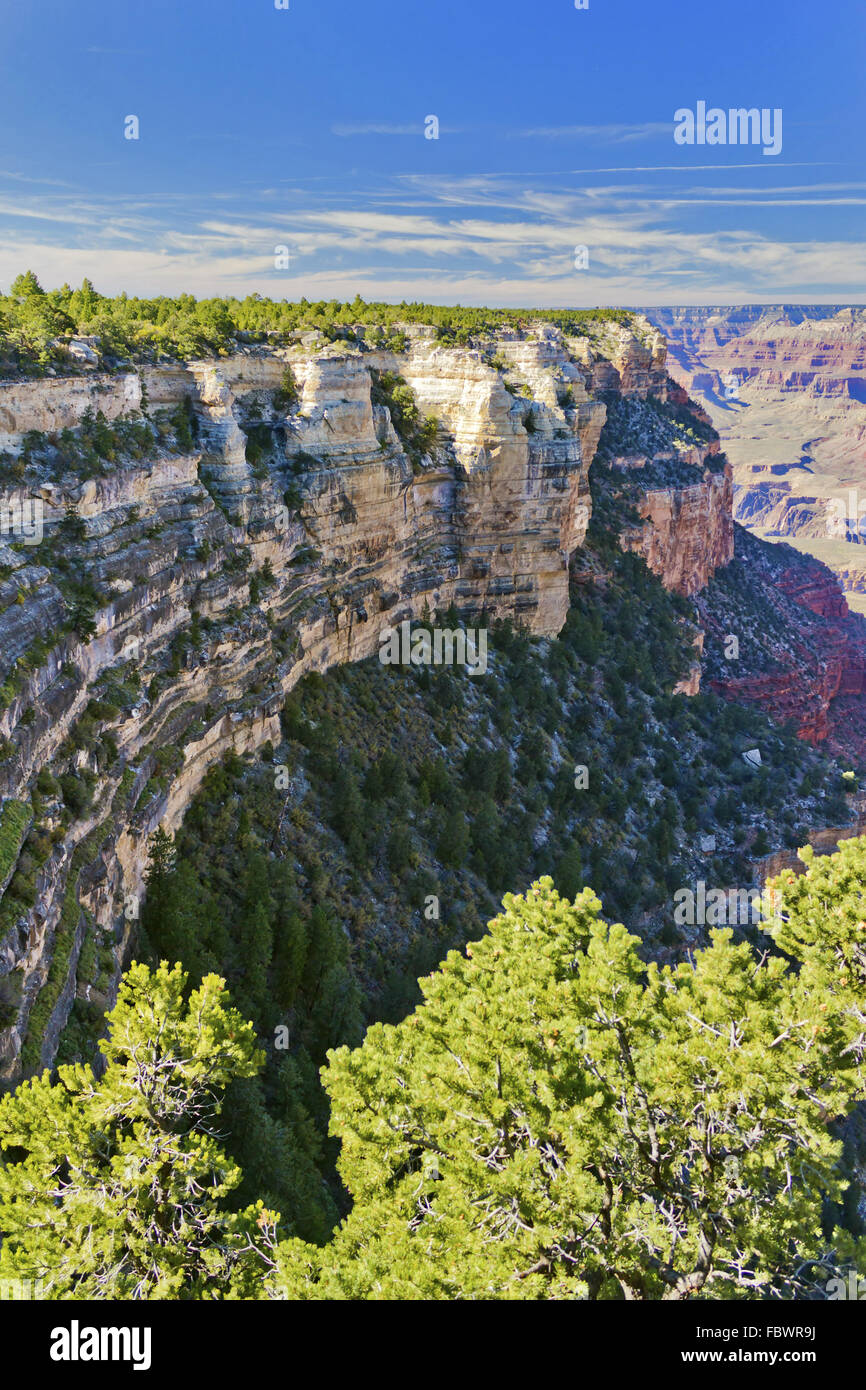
x: 799, y: 652
x: 291, y: 502
x: 785, y: 386
x: 215, y: 579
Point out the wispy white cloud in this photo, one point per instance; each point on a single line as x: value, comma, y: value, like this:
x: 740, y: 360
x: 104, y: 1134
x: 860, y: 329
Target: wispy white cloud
x: 616, y: 134
x: 382, y: 128
x: 476, y: 239
x: 62, y: 215
x: 28, y: 178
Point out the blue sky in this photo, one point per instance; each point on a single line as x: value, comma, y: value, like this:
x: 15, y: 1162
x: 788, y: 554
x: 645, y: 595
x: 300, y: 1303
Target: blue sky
x: 305, y: 128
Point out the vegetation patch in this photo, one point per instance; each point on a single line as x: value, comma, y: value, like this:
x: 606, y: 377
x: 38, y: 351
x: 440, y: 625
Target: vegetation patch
x: 15, y: 819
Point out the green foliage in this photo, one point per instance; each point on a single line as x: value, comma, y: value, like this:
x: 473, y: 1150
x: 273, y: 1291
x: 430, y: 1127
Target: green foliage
x: 73, y: 527
x: 116, y: 1188
x: 258, y: 446
x: 560, y: 1120
x: 185, y: 424
x: 64, y: 944
x: 417, y: 435
x: 819, y: 917
x: 15, y: 817
x: 92, y: 450
x: 11, y: 988
x: 652, y: 427
x: 288, y: 966
x: 286, y: 394
x: 36, y: 324
x: 77, y: 792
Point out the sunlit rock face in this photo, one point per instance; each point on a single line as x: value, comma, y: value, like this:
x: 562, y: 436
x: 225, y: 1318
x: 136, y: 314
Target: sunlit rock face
x: 225, y: 571
x: 785, y: 386
x: 687, y: 533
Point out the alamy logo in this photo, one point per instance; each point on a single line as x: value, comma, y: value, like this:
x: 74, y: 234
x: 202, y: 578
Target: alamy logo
x: 854, y: 1289
x: 736, y: 126
x: 22, y: 520
x: 76, y: 1343
x: 403, y: 647
x: 847, y: 519
x: 21, y: 1290
x: 721, y: 907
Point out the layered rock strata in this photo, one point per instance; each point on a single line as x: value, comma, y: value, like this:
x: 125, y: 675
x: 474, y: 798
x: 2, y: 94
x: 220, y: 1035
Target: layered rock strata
x: 222, y: 573
x: 796, y: 651
x: 785, y: 386
x: 686, y: 533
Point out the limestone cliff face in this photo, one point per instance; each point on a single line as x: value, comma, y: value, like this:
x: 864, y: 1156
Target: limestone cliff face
x: 223, y: 574
x: 222, y: 579
x: 687, y: 532
x: 59, y: 403
x: 629, y: 362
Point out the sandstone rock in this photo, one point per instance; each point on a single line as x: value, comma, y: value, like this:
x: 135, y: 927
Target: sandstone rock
x: 487, y: 521
x: 795, y: 429
x: 687, y: 533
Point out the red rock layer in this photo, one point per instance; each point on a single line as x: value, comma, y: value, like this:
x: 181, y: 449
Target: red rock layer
x: 820, y: 681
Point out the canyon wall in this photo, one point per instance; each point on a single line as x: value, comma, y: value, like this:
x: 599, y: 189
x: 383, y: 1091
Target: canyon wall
x: 799, y: 652
x: 686, y: 533
x: 785, y: 386
x: 215, y: 578
x: 291, y: 509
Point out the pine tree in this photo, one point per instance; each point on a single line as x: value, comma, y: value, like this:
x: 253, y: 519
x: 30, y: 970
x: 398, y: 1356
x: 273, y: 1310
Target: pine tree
x: 569, y: 875
x: 453, y: 843
x: 161, y: 859
x: 332, y: 1001
x: 290, y: 955
x: 26, y: 286
x: 181, y: 924
x: 256, y: 933
x: 560, y: 1120
x: 257, y: 945
x: 116, y: 1188
x: 281, y: 1157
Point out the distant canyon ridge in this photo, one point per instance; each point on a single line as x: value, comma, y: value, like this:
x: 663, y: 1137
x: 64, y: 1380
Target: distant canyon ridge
x: 785, y: 386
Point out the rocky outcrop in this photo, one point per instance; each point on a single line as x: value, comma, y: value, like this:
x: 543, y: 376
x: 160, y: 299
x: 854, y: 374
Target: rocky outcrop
x: 825, y: 841
x: 785, y: 386
x: 691, y: 684
x: 60, y: 402
x: 687, y: 532
x: 815, y: 588
x: 630, y: 363
x: 801, y: 697
x: 780, y: 635
x: 214, y: 577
